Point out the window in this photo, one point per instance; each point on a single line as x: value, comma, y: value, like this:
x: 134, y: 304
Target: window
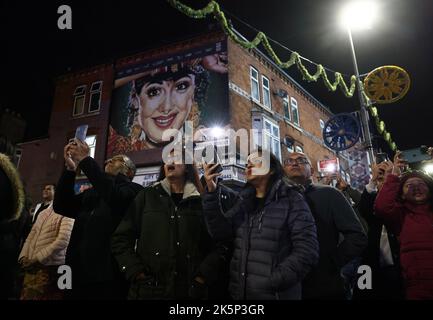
x: 271, y: 138
x: 91, y: 141
x: 322, y: 124
x: 266, y: 92
x: 79, y: 100
x: 254, y: 75
x: 95, y: 96
x: 299, y: 149
x: 286, y: 108
x: 294, y: 110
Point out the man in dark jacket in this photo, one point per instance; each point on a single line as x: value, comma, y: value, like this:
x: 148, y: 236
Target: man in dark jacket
x: 339, y: 232
x: 97, y: 213
x: 272, y: 230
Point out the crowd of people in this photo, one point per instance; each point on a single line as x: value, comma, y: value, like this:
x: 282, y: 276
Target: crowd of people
x: 184, y: 237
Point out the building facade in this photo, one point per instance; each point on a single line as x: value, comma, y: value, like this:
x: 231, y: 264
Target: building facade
x: 207, y: 80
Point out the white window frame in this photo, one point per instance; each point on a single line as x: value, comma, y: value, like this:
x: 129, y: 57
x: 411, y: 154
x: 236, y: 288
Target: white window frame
x: 294, y: 106
x: 256, y: 80
x: 299, y: 149
x: 286, y: 100
x: 92, y: 146
x: 92, y: 92
x: 266, y: 90
x: 271, y: 136
x: 321, y: 123
x: 76, y: 96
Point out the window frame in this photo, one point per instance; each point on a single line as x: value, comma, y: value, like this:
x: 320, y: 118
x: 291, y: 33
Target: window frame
x: 286, y: 100
x: 294, y: 106
x: 77, y: 96
x: 93, y: 92
x: 94, y: 145
x: 268, y: 90
x: 271, y: 136
x: 256, y: 81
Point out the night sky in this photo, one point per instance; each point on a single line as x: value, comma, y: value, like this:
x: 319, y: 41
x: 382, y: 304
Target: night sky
x: 34, y: 51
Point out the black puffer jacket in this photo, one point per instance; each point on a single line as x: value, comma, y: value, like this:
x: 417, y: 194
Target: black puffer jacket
x: 274, y: 248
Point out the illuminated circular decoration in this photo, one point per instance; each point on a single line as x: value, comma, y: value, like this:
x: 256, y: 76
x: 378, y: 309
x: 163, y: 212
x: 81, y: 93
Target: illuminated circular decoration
x: 341, y: 132
x: 386, y: 84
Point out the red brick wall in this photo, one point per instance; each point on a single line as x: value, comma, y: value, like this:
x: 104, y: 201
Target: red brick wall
x: 310, y: 113
x: 42, y: 161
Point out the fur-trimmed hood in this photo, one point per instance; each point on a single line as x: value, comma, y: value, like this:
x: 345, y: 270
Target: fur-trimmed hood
x: 17, y: 188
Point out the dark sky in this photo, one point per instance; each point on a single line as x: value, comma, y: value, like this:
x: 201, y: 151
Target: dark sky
x: 34, y: 50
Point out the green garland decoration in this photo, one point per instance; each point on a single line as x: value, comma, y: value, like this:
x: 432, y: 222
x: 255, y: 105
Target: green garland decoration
x: 381, y: 128
x: 213, y: 8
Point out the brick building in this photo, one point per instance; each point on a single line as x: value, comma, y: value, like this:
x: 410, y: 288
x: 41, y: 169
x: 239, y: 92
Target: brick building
x: 254, y: 93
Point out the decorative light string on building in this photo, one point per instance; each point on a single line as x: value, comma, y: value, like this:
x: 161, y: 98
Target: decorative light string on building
x: 386, y: 84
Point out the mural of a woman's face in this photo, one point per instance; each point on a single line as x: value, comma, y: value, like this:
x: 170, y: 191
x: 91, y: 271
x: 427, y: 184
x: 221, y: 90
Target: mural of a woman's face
x: 165, y: 104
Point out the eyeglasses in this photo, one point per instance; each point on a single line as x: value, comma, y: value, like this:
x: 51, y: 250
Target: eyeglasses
x: 290, y: 161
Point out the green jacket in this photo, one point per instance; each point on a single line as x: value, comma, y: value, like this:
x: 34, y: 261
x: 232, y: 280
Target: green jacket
x: 172, y: 243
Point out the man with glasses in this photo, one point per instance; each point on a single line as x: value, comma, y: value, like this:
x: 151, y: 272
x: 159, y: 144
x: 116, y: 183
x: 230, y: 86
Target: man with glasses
x: 97, y: 213
x: 339, y: 232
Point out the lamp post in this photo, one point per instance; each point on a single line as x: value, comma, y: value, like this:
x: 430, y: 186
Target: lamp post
x: 360, y: 15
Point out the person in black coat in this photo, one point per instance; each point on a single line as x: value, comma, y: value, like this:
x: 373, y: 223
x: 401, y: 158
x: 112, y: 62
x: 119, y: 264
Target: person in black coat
x: 97, y: 213
x: 383, y: 250
x: 272, y: 230
x: 341, y: 237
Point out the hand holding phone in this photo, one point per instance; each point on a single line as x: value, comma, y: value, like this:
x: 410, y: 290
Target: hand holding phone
x: 210, y: 175
x: 399, y: 163
x: 215, y: 160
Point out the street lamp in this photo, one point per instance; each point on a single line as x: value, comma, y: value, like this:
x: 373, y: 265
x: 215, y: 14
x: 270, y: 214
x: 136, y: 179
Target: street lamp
x: 357, y: 16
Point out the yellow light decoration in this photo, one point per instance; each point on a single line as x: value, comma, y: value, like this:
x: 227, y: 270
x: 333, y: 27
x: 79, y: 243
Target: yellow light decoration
x: 386, y: 84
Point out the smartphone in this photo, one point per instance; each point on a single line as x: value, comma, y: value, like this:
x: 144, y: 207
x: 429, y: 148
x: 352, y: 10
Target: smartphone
x: 414, y: 155
x: 216, y: 159
x: 381, y: 157
x: 81, y: 132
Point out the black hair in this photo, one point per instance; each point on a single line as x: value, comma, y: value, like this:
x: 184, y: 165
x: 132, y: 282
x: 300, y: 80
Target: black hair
x: 202, y: 81
x: 275, y: 167
x: 190, y: 173
x: 50, y: 184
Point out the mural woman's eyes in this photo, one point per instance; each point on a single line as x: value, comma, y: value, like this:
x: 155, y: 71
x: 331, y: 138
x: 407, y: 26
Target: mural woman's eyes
x: 182, y: 86
x: 152, y: 92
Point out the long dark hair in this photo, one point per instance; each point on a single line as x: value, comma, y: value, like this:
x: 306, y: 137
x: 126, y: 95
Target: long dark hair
x: 191, y: 175
x: 275, y: 167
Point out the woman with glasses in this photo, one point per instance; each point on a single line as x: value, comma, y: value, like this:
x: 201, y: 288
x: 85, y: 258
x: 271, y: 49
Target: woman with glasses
x: 271, y: 228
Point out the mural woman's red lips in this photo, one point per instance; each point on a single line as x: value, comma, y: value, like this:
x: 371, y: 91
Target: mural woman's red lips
x: 164, y: 121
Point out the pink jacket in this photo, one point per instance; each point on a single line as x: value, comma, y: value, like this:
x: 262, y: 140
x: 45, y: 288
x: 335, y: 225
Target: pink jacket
x: 48, y: 239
